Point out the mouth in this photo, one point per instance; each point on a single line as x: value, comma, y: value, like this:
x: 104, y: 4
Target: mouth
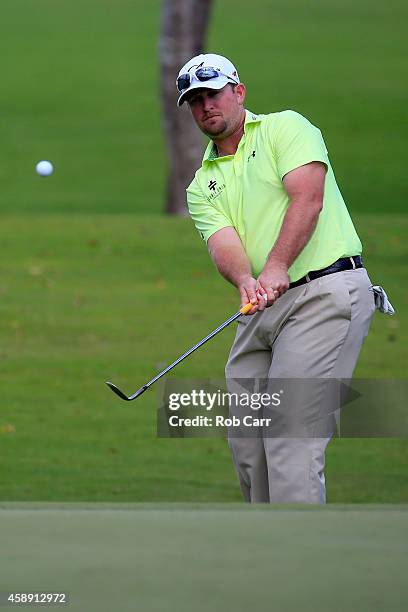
x: 211, y: 117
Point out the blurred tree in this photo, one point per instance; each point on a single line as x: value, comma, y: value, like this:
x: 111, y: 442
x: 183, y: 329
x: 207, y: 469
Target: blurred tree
x: 182, y: 35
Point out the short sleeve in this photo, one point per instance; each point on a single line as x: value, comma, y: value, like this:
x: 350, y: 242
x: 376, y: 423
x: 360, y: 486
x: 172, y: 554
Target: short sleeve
x: 296, y: 142
x: 206, y: 217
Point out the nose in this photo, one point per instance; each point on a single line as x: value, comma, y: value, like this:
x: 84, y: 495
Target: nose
x: 208, y: 102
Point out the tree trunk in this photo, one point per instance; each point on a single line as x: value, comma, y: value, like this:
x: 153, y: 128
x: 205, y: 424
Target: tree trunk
x: 182, y: 35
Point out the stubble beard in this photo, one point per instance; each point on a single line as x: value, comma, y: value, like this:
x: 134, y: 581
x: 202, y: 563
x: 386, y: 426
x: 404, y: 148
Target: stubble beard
x: 217, y: 130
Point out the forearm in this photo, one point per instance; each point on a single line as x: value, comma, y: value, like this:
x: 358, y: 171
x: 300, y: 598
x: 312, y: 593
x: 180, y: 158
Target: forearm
x: 228, y: 254
x: 231, y: 262
x: 297, y: 228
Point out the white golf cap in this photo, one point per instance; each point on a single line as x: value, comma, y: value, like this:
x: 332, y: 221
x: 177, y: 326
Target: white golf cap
x: 227, y: 70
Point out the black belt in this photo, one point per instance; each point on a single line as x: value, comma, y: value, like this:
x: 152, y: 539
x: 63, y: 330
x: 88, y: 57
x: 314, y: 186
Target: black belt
x: 347, y: 263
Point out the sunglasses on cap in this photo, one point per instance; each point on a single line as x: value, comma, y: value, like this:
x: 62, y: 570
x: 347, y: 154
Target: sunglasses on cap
x: 202, y: 74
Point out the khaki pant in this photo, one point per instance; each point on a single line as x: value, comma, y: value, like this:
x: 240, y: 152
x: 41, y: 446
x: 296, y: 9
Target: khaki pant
x: 312, y: 331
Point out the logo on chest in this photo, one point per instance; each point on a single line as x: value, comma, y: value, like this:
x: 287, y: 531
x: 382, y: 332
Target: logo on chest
x: 215, y: 189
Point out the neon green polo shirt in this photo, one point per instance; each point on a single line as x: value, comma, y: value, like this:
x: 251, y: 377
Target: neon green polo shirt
x: 245, y: 191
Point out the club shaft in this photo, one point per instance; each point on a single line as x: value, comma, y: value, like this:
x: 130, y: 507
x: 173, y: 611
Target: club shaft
x: 194, y: 348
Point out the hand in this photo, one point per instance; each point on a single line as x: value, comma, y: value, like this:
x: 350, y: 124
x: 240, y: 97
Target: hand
x: 271, y: 284
x: 247, y: 291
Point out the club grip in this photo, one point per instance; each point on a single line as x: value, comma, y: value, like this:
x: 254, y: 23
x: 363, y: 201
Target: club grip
x: 245, y: 309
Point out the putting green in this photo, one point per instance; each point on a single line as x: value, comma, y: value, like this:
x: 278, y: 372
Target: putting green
x: 204, y: 557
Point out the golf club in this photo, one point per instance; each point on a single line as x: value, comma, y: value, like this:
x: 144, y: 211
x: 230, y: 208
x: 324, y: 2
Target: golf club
x: 244, y: 310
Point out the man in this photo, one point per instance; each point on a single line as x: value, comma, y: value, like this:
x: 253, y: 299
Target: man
x: 266, y: 202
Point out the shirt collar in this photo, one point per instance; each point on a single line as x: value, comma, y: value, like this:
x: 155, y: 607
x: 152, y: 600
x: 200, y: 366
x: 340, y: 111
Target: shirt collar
x: 210, y: 153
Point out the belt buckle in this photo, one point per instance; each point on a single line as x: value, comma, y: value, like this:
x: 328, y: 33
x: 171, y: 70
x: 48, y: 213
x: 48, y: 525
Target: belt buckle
x: 353, y: 263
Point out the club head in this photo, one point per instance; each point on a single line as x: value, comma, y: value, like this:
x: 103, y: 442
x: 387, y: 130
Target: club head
x: 116, y: 390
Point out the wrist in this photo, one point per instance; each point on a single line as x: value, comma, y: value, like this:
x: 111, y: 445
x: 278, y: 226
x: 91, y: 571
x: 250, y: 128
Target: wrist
x: 274, y: 263
x: 243, y: 278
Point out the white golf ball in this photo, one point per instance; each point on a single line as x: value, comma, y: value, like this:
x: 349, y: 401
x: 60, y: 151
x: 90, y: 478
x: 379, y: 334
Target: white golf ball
x: 44, y: 168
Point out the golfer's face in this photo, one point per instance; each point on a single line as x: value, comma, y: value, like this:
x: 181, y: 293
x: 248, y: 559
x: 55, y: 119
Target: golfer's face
x: 216, y: 111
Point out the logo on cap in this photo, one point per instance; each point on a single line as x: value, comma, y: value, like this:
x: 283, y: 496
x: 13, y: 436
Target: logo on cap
x: 195, y: 66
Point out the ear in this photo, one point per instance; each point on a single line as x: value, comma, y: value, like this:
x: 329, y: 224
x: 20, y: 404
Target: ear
x: 240, y: 90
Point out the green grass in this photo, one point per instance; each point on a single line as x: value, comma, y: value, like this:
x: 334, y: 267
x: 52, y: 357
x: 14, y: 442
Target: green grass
x: 220, y: 557
x: 96, y: 285
x: 82, y: 90
x: 85, y: 299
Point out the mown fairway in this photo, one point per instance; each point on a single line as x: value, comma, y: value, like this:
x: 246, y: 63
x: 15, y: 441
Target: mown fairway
x: 80, y: 82
x: 96, y: 284
x: 87, y: 299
